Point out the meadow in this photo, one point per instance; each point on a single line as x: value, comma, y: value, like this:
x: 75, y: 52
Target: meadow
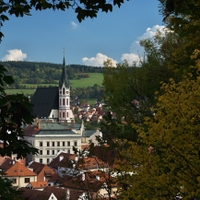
x: 94, y: 78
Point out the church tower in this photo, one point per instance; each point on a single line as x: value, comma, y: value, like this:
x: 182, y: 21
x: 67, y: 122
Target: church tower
x: 65, y: 113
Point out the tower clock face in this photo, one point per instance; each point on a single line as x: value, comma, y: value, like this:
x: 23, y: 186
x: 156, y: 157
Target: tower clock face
x: 67, y: 92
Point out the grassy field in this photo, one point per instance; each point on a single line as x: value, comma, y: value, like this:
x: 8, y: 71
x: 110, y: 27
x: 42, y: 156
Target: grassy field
x: 20, y: 91
x: 94, y: 78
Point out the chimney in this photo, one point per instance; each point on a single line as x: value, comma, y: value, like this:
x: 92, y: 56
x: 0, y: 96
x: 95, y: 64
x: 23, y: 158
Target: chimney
x: 61, y: 158
x: 76, y: 159
x: 37, y: 122
x: 67, y: 194
x: 98, y: 178
x: 83, y: 176
x: 72, y: 123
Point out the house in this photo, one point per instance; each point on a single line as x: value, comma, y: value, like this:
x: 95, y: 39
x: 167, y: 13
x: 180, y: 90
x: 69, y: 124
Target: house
x: 50, y: 139
x: 60, y: 193
x: 13, y: 156
x: 28, y: 194
x: 54, y: 129
x: 92, y: 185
x: 44, y: 172
x: 18, y: 173
x: 39, y: 185
x: 74, y: 165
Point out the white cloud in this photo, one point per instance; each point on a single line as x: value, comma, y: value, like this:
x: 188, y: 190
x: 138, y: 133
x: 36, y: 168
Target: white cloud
x: 130, y: 58
x: 98, y: 60
x: 14, y: 55
x: 151, y: 32
x: 136, y: 50
x: 74, y: 25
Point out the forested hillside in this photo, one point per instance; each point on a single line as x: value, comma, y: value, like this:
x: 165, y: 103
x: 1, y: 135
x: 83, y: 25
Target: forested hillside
x: 44, y: 73
x: 30, y: 75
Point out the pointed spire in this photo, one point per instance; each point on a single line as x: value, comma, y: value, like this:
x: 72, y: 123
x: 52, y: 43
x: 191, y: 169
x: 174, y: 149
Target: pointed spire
x: 64, y: 78
x: 63, y: 56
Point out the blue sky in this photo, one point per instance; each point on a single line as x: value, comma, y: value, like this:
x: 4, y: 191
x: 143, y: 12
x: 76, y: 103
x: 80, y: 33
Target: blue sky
x: 42, y: 36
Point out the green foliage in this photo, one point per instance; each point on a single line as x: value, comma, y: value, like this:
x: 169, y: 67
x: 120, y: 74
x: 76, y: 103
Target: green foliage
x: 183, y: 17
x: 47, y: 73
x: 155, y: 65
x: 83, y: 8
x: 167, y: 151
x: 6, y: 190
x: 15, y: 112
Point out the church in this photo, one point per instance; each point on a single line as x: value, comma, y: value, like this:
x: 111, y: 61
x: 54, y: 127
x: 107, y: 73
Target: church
x: 54, y: 129
x: 54, y: 103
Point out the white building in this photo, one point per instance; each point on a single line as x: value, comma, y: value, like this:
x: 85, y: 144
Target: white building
x: 54, y: 129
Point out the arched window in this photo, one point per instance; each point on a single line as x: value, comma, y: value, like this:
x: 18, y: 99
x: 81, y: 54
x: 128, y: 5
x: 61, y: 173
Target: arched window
x: 67, y: 115
x: 63, y: 101
x: 60, y: 101
x: 67, y: 102
x: 63, y: 90
x: 63, y: 114
x: 60, y: 114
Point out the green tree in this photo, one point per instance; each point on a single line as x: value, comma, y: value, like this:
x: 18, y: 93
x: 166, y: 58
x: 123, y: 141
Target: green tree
x: 156, y: 62
x: 167, y: 152
x: 183, y: 17
x: 129, y: 90
x: 15, y: 113
x: 122, y: 90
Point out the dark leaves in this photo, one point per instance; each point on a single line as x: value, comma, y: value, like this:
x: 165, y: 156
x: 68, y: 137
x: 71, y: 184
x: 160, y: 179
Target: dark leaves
x: 15, y: 111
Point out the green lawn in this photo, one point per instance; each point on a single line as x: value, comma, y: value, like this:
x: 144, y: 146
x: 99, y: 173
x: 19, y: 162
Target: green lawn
x: 20, y: 91
x: 95, y: 78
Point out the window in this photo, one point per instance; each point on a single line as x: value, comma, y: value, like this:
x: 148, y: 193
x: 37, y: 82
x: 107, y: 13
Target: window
x: 40, y: 160
x: 68, y: 143
x: 60, y: 114
x: 63, y: 90
x: 67, y: 102
x: 63, y: 114
x: 75, y: 143
x: 41, y: 152
x: 47, y: 152
x: 26, y: 180
x: 47, y: 160
x: 67, y: 115
x: 53, y: 152
x: 58, y: 144
x: 47, y: 144
x: 14, y: 180
x: 68, y: 151
x: 41, y: 144
x: 63, y: 144
x: 58, y: 150
x: 60, y: 102
x: 53, y: 144
x: 63, y: 101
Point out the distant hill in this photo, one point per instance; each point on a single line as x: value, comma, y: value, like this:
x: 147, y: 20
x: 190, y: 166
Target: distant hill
x: 86, y: 81
x: 45, y: 73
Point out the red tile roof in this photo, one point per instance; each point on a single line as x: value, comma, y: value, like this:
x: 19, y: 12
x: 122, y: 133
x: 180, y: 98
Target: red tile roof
x: 17, y: 169
x: 60, y: 193
x: 31, y: 130
x: 37, y: 185
x: 29, y: 194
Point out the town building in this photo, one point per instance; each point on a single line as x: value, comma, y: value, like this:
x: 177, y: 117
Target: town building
x: 54, y: 129
x: 18, y: 173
